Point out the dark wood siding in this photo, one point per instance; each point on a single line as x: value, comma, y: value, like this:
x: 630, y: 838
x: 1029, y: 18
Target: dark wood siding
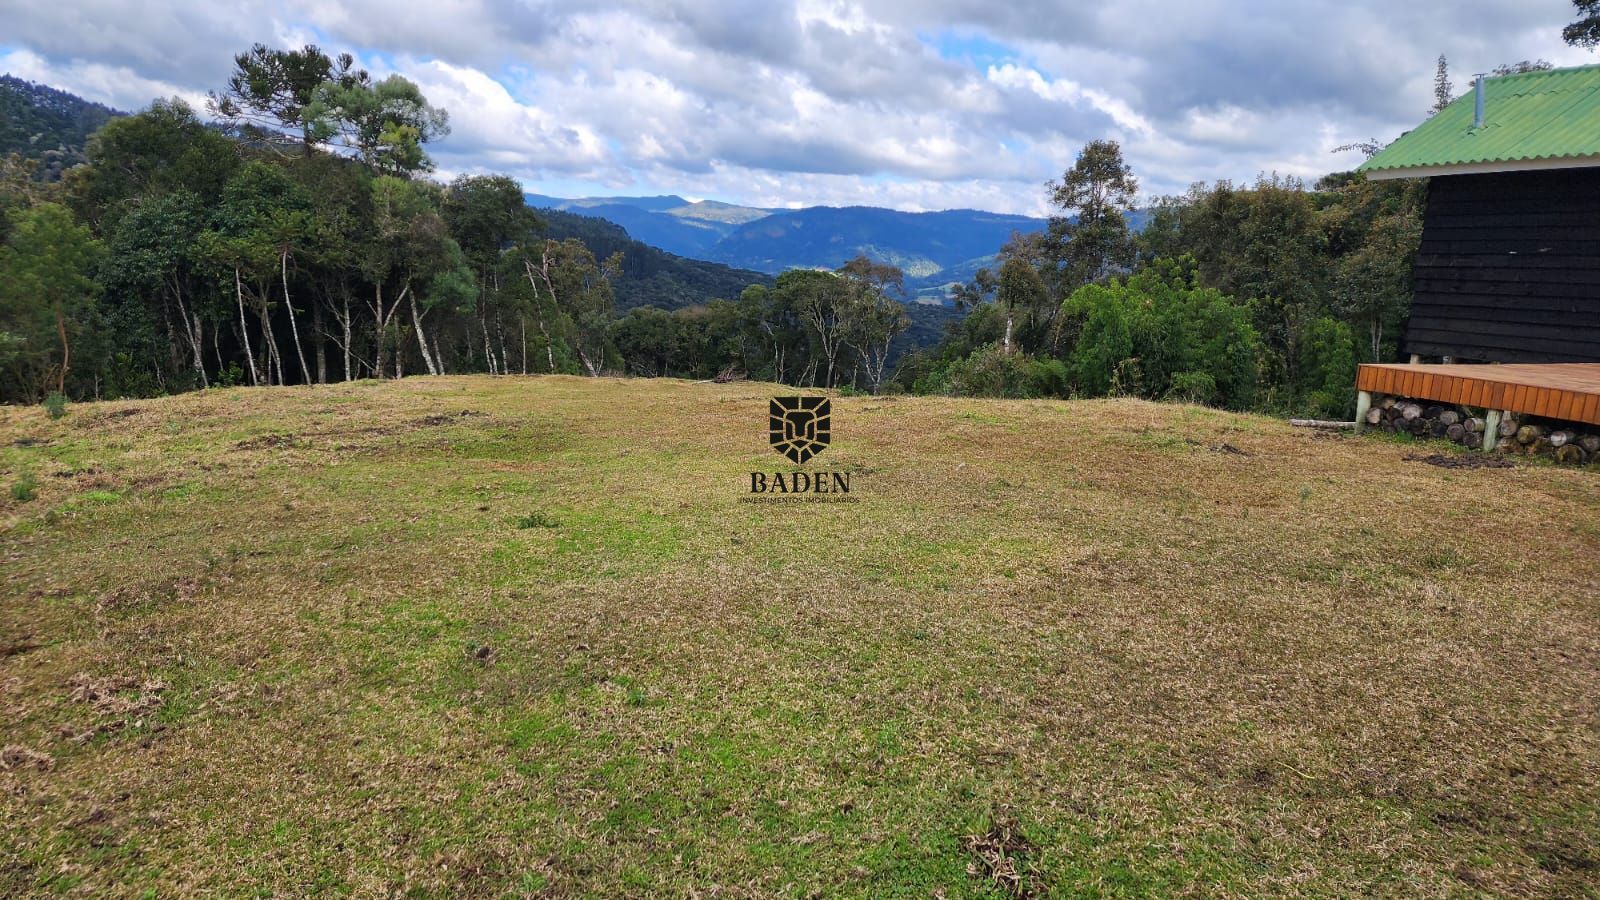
x: 1509, y: 268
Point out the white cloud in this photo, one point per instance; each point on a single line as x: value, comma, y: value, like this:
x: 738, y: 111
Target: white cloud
x: 919, y: 104
x: 119, y: 87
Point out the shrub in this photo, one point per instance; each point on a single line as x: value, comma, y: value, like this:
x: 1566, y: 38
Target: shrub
x: 536, y: 520
x: 989, y: 372
x: 56, y: 404
x: 1049, y: 378
x: 1325, y: 374
x: 232, y: 376
x: 1155, y: 333
x: 24, y: 488
x: 1193, y: 387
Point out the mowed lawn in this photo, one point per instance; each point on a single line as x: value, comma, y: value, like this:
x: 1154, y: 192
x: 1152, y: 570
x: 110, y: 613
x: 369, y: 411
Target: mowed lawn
x: 520, y: 636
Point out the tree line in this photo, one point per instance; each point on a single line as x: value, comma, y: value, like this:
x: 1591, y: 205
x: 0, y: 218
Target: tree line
x: 1261, y: 296
x: 299, y: 239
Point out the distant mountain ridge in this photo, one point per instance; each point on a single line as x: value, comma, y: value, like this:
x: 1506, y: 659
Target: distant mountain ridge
x: 933, y: 248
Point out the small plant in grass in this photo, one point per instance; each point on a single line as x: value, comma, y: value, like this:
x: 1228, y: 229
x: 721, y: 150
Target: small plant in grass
x: 24, y: 488
x: 536, y: 520
x: 56, y: 404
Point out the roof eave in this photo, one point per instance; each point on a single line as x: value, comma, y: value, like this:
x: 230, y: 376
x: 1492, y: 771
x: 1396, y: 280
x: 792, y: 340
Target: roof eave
x: 1483, y: 168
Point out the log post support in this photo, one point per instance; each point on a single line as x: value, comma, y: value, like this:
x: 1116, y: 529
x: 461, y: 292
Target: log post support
x: 1363, y: 403
x: 1491, y: 429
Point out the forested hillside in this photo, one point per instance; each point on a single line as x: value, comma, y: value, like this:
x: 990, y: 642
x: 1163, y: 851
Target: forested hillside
x: 47, y: 126
x: 649, y: 276
x: 296, y: 236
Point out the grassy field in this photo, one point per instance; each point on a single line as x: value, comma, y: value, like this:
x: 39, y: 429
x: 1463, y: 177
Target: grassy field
x: 491, y: 637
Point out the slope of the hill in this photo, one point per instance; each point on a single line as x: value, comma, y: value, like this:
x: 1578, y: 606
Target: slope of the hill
x: 523, y: 636
x: 47, y: 125
x: 651, y: 276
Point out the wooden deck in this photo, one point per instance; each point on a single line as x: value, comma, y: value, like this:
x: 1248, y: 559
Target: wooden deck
x: 1568, y: 391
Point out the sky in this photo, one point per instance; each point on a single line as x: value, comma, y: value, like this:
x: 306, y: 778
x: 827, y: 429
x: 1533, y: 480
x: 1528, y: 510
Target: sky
x: 910, y: 104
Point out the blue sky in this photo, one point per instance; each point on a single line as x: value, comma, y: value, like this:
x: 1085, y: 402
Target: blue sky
x: 914, y: 104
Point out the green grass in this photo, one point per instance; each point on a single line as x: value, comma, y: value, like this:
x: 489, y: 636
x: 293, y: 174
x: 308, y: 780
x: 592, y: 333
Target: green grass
x: 502, y: 637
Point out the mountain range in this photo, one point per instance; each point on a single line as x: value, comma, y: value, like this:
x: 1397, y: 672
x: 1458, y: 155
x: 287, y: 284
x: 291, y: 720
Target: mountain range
x: 676, y: 252
x: 934, y: 249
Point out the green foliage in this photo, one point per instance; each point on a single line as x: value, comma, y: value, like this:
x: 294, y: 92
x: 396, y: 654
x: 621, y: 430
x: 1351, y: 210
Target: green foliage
x: 270, y: 89
x: 162, y: 149
x: 25, y: 488
x: 228, y: 260
x: 1193, y: 387
x: 992, y: 371
x: 47, y: 296
x: 1325, y: 381
x: 386, y: 123
x: 55, y: 403
x: 649, y: 276
x: 1089, y: 237
x: 1342, y: 252
x: 1158, y: 332
x: 989, y: 371
x: 46, y: 126
x: 1585, y: 31
x: 1378, y: 228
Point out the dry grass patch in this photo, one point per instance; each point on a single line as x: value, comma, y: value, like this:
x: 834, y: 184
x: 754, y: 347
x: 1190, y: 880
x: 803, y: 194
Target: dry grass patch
x: 476, y: 636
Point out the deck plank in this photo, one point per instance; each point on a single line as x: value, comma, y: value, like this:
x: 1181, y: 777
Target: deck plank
x: 1569, y: 391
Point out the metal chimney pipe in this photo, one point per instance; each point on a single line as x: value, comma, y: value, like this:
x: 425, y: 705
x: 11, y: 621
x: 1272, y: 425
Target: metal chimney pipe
x: 1477, y: 99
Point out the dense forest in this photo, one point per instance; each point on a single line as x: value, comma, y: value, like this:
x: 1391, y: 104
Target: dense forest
x: 1252, y: 297
x: 296, y: 237
x: 649, y: 276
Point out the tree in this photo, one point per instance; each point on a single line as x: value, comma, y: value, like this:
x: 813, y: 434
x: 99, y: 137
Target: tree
x: 1519, y: 68
x: 976, y: 292
x: 1159, y: 334
x: 46, y: 277
x: 819, y: 302
x: 1443, y: 90
x: 1372, y: 285
x: 568, y: 274
x: 163, y: 149
x: 872, y: 319
x: 650, y: 341
x: 486, y: 214
x: 1265, y: 244
x: 775, y: 327
x: 154, y: 252
x: 270, y: 89
x: 385, y: 123
x: 1325, y: 382
x: 384, y: 256
x: 437, y: 274
x: 1020, y: 291
x: 341, y: 193
x: 1585, y: 32
x: 1089, y: 236
x: 264, y: 218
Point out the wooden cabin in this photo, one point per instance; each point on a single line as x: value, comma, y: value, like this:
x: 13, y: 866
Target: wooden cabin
x: 1509, y: 267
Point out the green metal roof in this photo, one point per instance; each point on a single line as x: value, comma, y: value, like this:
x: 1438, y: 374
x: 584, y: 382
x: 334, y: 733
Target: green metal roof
x: 1531, y: 120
